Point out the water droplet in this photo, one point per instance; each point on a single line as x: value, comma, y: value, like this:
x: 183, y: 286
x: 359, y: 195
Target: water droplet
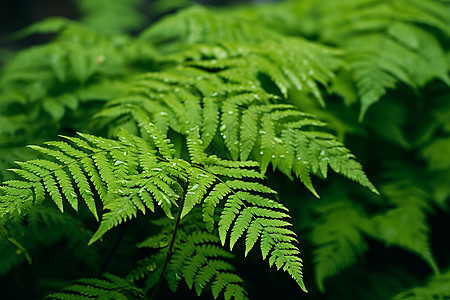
x: 118, y: 162
x: 277, y: 140
x: 256, y: 96
x: 230, y: 112
x: 214, y: 95
x: 223, y: 127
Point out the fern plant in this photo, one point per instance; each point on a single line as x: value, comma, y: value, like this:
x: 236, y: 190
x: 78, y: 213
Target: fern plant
x: 159, y: 160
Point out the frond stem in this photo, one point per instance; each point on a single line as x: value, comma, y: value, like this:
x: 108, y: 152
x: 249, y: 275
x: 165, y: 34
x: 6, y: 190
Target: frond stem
x: 169, y: 254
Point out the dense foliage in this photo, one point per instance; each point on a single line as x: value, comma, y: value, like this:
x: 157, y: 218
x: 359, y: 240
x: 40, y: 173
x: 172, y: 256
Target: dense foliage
x: 159, y: 160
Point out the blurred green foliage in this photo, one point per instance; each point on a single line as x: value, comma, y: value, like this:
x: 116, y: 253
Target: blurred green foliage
x: 275, y: 89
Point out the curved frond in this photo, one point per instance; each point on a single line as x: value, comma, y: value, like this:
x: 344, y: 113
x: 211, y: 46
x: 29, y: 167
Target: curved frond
x: 112, y: 287
x: 406, y: 224
x: 246, y: 124
x: 437, y: 287
x: 386, y: 42
x: 339, y: 240
x: 201, y: 262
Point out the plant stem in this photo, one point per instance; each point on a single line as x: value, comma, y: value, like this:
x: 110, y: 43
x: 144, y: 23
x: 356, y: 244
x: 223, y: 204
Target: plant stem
x: 168, y: 256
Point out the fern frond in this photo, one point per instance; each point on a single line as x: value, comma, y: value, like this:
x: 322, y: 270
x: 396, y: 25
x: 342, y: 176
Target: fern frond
x: 197, y: 189
x: 185, y: 26
x: 219, y: 192
x: 160, y: 185
x: 74, y: 55
x: 247, y: 50
x: 385, y: 42
x: 291, y: 68
x: 112, y: 287
x: 201, y: 262
x: 252, y: 128
x: 437, y: 287
x: 339, y: 240
x: 197, y: 258
x: 78, y: 162
x: 46, y: 86
x: 406, y: 224
x: 256, y: 216
x: 114, y: 16
x: 54, y: 175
